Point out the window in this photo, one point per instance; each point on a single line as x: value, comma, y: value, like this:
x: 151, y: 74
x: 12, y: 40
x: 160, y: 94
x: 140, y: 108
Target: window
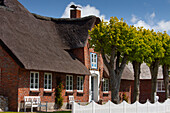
x: 34, y: 81
x: 93, y: 60
x: 48, y: 81
x: 69, y: 83
x: 80, y: 83
x: 106, y: 85
x: 160, y: 86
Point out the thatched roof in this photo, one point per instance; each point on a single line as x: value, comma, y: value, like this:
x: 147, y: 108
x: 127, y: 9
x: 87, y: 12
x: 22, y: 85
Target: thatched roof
x: 126, y: 75
x: 145, y: 72
x: 41, y: 43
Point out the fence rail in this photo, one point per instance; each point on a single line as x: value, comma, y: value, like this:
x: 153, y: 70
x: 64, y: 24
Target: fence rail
x: 123, y: 107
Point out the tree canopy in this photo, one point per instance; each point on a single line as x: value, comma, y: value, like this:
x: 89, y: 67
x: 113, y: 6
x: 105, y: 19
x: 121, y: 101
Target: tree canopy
x: 119, y: 43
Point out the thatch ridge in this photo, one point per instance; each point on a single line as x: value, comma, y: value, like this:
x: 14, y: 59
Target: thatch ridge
x: 61, y: 19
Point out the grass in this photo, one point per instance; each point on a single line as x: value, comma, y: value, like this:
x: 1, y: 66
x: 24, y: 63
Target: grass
x: 42, y: 112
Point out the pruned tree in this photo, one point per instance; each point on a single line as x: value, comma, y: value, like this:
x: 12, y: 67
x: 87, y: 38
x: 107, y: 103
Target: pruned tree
x: 153, y: 61
x: 140, y: 51
x: 114, y: 40
x: 165, y: 62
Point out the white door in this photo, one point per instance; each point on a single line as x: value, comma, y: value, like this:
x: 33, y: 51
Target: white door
x: 94, y: 86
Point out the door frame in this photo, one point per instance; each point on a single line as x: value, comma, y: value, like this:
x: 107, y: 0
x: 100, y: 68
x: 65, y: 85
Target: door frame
x: 96, y: 75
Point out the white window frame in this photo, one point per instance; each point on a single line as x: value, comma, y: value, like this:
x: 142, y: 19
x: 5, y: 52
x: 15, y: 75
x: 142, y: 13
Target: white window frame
x: 80, y: 83
x: 34, y: 89
x: 105, y: 86
x: 93, y: 60
x: 48, y: 74
x: 162, y: 83
x: 69, y: 85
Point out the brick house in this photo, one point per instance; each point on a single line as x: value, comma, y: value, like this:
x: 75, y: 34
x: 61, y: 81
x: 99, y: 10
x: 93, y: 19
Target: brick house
x: 145, y: 84
x: 36, y: 52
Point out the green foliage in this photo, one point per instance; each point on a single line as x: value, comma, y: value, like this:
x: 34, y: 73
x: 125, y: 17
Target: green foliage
x: 156, y: 43
x: 116, y: 33
x: 125, y: 97
x: 166, y: 46
x: 138, y: 44
x: 59, y: 98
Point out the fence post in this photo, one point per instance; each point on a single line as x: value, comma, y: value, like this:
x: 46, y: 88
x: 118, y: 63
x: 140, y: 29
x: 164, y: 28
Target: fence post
x: 136, y: 106
x: 73, y: 107
x: 157, y: 109
x: 147, y: 105
x: 165, y: 106
x: 93, y: 107
x: 109, y: 106
x: 124, y: 107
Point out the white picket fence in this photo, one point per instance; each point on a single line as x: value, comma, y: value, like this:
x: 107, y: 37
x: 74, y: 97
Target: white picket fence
x: 123, y: 107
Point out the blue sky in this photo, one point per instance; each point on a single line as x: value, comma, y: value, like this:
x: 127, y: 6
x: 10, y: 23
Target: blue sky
x: 152, y: 14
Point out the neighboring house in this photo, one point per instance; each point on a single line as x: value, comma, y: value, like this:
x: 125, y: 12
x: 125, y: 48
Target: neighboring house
x: 145, y: 83
x: 36, y: 52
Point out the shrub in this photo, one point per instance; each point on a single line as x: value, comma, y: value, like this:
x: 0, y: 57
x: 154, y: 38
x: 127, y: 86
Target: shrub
x: 59, y: 98
x: 125, y: 97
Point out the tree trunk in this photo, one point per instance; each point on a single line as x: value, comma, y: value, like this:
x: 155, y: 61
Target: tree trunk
x: 166, y: 80
x: 115, y: 86
x: 115, y: 74
x: 136, y: 68
x: 154, y: 73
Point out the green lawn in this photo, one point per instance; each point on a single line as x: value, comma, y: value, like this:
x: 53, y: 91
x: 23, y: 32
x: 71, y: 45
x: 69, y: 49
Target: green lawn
x: 42, y: 112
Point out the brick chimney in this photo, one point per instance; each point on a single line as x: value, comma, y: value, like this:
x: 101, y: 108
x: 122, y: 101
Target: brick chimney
x: 75, y: 12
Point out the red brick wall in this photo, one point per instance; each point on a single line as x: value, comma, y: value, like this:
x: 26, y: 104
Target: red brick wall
x: 79, y: 53
x: 9, y: 79
x: 126, y: 88
x: 145, y: 91
x: 24, y: 87
x: 83, y: 97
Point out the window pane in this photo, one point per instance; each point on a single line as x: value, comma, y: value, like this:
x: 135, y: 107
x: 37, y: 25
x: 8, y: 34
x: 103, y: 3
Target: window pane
x: 81, y: 84
x: 50, y: 86
x: 70, y: 82
x: 94, y: 58
x: 46, y: 81
x: 67, y: 88
x: 49, y: 77
x: 32, y: 75
x: 32, y: 86
x: 36, y: 80
x: 67, y: 83
x: 71, y: 88
x: 36, y: 75
x: 91, y: 57
x: 45, y: 86
x: 49, y: 81
x: 45, y: 76
x: 71, y: 78
x: 36, y: 86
